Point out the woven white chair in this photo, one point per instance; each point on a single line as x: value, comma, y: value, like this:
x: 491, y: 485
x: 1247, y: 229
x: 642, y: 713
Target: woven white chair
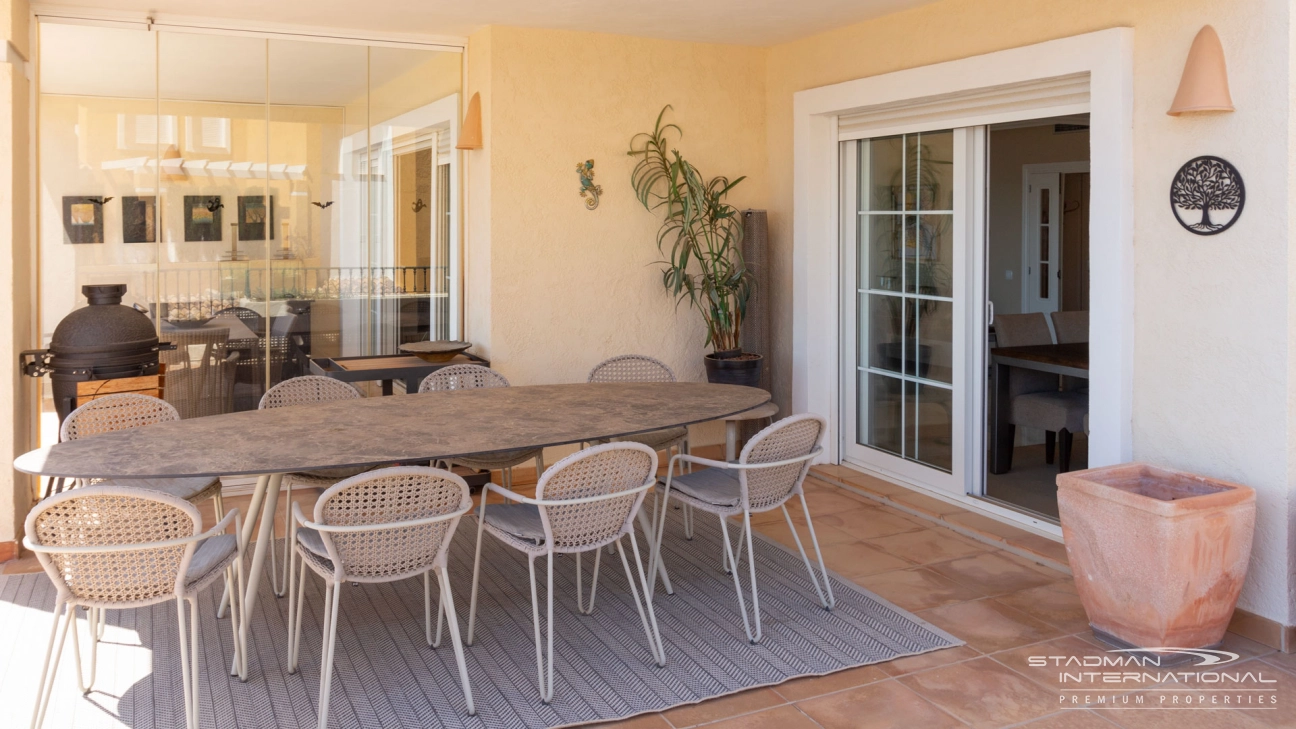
x: 641, y: 368
x: 382, y: 526
x: 587, y: 500
x: 126, y: 410
x: 470, y: 377
x: 304, y: 390
x: 769, y: 472
x: 113, y: 547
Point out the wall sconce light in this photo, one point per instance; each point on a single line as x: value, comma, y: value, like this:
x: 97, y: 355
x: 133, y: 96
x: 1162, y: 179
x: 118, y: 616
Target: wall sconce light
x: 470, y: 134
x: 1204, y: 84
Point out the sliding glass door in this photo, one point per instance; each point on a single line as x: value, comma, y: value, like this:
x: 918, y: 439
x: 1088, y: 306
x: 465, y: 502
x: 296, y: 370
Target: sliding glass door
x: 909, y: 206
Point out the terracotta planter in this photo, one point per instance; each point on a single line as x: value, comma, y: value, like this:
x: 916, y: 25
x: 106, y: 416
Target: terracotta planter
x: 1159, y: 556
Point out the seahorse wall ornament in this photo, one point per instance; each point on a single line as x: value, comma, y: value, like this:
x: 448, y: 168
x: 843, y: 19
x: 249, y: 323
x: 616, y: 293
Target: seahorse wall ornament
x: 589, y: 191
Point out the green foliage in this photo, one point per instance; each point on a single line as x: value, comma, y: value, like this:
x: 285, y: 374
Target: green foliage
x: 700, y: 235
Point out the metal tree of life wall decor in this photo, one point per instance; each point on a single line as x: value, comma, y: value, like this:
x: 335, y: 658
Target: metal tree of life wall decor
x: 1207, y: 195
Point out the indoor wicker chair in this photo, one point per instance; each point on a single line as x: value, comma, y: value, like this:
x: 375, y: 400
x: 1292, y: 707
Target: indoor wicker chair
x: 769, y: 472
x: 468, y: 377
x: 304, y: 391
x: 112, y: 547
x: 641, y: 368
x: 586, y: 501
x: 200, y: 372
x: 382, y: 526
x: 126, y: 410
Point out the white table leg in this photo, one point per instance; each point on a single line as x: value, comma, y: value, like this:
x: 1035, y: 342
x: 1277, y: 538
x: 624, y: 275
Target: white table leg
x: 731, y: 440
x: 268, y: 490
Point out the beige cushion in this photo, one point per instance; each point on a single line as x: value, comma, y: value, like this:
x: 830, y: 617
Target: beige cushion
x: 181, y: 488
x: 1052, y: 411
x: 657, y: 439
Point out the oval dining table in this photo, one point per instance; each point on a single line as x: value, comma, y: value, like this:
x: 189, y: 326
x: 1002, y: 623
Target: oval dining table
x: 380, y: 431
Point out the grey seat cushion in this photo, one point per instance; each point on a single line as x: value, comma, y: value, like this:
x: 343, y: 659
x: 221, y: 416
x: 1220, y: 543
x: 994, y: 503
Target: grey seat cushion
x: 501, y: 459
x: 311, y: 540
x: 717, y: 486
x: 210, y: 554
x: 520, y: 520
x: 1051, y: 410
x: 656, y: 439
x: 181, y: 488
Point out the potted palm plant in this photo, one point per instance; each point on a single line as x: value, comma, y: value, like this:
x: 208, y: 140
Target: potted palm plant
x: 700, y: 236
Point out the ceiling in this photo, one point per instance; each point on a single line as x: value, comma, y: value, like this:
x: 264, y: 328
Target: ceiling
x: 746, y: 22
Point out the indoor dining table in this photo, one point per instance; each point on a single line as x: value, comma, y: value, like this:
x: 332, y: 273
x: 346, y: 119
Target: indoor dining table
x: 380, y: 431
x: 1070, y: 360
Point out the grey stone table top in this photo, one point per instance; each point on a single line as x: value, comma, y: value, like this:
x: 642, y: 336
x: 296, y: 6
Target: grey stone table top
x: 380, y: 430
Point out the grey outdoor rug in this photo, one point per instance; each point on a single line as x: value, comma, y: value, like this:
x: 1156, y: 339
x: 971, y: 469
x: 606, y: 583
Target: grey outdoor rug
x: 388, y: 677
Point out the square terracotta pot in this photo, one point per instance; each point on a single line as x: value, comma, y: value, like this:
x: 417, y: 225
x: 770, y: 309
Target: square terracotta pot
x: 1159, y: 556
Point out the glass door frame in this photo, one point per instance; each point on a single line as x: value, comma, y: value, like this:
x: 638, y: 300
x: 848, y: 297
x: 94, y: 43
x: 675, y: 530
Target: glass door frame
x: 968, y: 429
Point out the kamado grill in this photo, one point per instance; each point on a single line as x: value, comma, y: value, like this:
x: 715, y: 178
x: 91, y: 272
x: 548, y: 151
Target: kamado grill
x: 102, y: 341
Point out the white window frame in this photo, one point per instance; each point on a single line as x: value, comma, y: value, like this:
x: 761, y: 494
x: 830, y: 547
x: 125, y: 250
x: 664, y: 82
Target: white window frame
x: 1107, y: 57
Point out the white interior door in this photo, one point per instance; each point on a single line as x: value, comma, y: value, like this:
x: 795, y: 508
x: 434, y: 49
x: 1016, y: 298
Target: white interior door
x: 1042, y: 238
x: 912, y: 225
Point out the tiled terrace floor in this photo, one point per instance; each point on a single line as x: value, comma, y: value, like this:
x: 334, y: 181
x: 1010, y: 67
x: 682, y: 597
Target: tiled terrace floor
x: 1004, y: 606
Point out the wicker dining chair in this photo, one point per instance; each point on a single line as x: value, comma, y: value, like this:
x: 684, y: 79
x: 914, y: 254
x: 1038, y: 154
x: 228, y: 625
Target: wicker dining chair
x: 470, y: 377
x: 769, y: 472
x: 382, y: 526
x: 122, y: 411
x: 641, y: 368
x: 586, y: 501
x: 109, y: 547
x: 304, y: 390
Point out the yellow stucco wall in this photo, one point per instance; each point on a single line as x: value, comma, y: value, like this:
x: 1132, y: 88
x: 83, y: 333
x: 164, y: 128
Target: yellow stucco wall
x: 1213, y: 389
x: 569, y: 286
x: 16, y: 281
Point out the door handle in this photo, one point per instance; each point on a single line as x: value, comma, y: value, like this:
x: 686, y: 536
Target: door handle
x: 989, y: 312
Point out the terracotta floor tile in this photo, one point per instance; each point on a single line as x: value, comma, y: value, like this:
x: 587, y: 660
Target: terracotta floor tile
x: 916, y: 589
x: 926, y: 504
x: 21, y: 566
x: 988, y: 626
x: 983, y: 693
x: 1042, y: 546
x: 1069, y: 719
x: 1245, y: 647
x: 987, y: 526
x: 646, y: 721
x: 857, y: 559
x: 782, y: 717
x: 929, y: 545
x: 994, y: 573
x: 807, y: 688
x: 1280, y: 713
x: 828, y: 470
x: 1057, y: 604
x: 1155, y: 715
x: 826, y: 535
x: 723, y: 707
x: 871, y: 483
x: 884, y: 705
x: 826, y: 502
x: 926, y: 661
x: 869, y: 523
x: 1055, y: 654
x: 1285, y: 661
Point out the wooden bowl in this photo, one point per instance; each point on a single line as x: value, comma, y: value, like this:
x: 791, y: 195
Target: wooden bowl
x: 442, y: 351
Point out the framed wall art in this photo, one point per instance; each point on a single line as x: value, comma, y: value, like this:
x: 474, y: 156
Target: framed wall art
x: 202, y: 217
x: 1207, y: 195
x: 139, y: 219
x: 83, y: 219
x: 255, y: 217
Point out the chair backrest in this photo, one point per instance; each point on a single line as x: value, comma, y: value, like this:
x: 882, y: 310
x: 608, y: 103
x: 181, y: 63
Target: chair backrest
x: 306, y: 389
x: 1021, y: 330
x: 631, y: 368
x: 195, y: 373
x: 107, y: 516
x: 462, y: 377
x: 612, y: 468
x: 792, y: 437
x: 250, y: 317
x: 383, y: 499
x: 1072, y: 327
x: 116, y: 412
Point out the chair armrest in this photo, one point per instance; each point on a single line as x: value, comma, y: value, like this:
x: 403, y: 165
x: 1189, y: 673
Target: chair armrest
x: 511, y: 495
x: 740, y: 466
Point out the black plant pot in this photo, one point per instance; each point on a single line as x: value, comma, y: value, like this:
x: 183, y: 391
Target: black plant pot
x: 735, y: 369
